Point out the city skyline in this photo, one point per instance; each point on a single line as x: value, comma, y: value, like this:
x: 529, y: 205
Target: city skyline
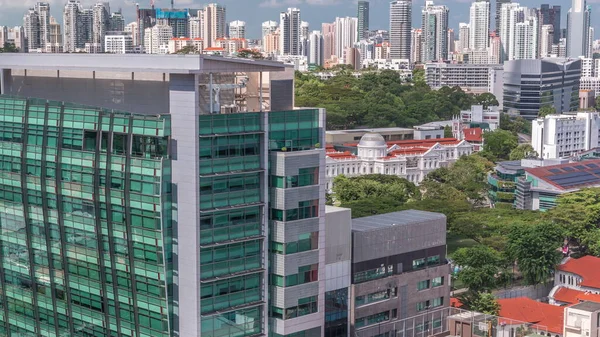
x: 312, y: 11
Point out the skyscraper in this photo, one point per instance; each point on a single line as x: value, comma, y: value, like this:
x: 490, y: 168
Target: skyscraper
x: 237, y: 29
x: 36, y: 23
x: 363, y: 19
x: 511, y: 14
x: 400, y: 29
x: 116, y: 22
x: 479, y: 24
x: 315, y: 48
x: 526, y: 36
x: 289, y: 25
x: 101, y: 22
x: 269, y: 27
x: 451, y: 41
x: 43, y: 11
x: 547, y: 38
x: 578, y: 28
x: 435, y: 32
x: 304, y: 33
x: 70, y: 26
x: 345, y: 36
x: 416, y: 48
x: 328, y: 30
x: 499, y: 4
x: 551, y: 16
x: 464, y: 31
x: 213, y: 24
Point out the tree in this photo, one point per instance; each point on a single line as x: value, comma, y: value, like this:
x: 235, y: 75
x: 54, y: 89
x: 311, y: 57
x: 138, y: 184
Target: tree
x: 188, y: 50
x: 448, y: 132
x: 374, y: 186
x: 485, y: 303
x: 515, y: 125
x: 9, y: 48
x: 535, y: 249
x: 578, y: 213
x: 250, y: 54
x: 523, y: 151
x: 487, y: 100
x: 546, y: 110
x: 500, y: 143
x: 480, y: 267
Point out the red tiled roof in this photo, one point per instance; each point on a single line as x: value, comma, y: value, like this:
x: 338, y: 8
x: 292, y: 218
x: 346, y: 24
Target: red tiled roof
x: 527, y: 310
x: 550, y: 173
x: 214, y: 48
x: 572, y: 296
x: 588, y: 267
x: 340, y: 155
x: 473, y: 134
x: 455, y: 302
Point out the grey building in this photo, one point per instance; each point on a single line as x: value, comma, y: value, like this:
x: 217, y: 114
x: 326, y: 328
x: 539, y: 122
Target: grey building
x: 400, y: 29
x: 400, y: 277
x: 363, y: 20
x: 578, y: 30
x: 551, y: 16
x: 532, y: 84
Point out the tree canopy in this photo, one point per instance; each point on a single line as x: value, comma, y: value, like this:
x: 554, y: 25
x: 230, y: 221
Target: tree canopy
x: 499, y: 143
x: 9, y: 48
x: 546, y: 110
x: 481, y: 266
x: 523, y: 151
x: 374, y: 186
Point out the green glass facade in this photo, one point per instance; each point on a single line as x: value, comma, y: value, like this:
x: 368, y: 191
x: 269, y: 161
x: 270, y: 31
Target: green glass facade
x: 85, y: 221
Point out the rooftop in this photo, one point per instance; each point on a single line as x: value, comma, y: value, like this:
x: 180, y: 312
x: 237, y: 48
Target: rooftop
x: 588, y: 267
x: 172, y: 64
x: 527, y: 310
x: 572, y: 296
x: 569, y: 176
x: 378, y: 130
x: 587, y: 306
x: 402, y: 218
x: 473, y: 134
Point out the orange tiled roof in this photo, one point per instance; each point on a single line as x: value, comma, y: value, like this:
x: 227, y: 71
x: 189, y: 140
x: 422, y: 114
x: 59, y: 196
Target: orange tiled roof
x: 340, y: 155
x: 572, y: 296
x: 588, y: 267
x: 455, y: 302
x: 527, y: 310
x: 473, y: 134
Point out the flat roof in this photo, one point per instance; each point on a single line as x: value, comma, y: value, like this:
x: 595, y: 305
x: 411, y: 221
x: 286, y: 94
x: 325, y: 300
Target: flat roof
x: 586, y: 306
x: 569, y: 176
x: 402, y: 218
x: 335, y: 209
x: 172, y: 64
x: 377, y: 130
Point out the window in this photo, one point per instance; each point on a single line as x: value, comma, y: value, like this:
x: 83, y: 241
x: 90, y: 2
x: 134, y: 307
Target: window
x: 418, y: 263
x: 433, y: 260
x: 306, y: 306
x: 305, y: 177
x: 422, y: 285
x: 372, y: 319
x: 372, y: 274
x: 305, y: 274
x: 438, y: 281
x: 423, y: 305
x: 306, y: 209
x: 437, y: 302
x: 373, y: 297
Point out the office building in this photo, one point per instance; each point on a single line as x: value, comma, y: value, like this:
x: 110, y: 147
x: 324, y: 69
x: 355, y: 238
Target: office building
x: 464, y: 36
x: 400, y: 29
x: 289, y: 32
x: 475, y: 78
x: 237, y: 29
x: 161, y: 196
x: 345, y: 36
x: 101, y: 22
x: 479, y: 25
x: 559, y: 136
x: 546, y: 40
x: 213, y: 24
x: 551, y: 16
x: 118, y: 43
x: 556, y: 84
x: 315, y: 47
x: 499, y: 4
x: 157, y: 39
x: 578, y: 28
x: 435, y: 32
x: 116, y: 23
x: 399, y: 274
x: 416, y: 48
x: 363, y: 20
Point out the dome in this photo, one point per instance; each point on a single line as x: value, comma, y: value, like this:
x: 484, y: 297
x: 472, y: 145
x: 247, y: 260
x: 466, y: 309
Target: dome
x: 372, y: 140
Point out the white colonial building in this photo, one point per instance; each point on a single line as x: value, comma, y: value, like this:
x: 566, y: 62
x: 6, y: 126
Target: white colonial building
x: 410, y: 159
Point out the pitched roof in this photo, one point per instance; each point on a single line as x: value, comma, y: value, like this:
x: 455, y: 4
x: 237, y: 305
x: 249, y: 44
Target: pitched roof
x: 588, y: 267
x: 340, y: 155
x: 455, y: 302
x: 527, y: 310
x: 572, y: 296
x: 569, y: 176
x: 473, y: 134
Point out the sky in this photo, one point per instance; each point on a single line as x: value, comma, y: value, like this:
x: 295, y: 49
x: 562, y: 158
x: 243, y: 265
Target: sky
x: 254, y: 12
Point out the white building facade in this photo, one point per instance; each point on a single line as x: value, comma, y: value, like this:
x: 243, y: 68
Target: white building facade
x: 156, y: 37
x: 118, y: 43
x: 558, y: 136
x: 479, y: 25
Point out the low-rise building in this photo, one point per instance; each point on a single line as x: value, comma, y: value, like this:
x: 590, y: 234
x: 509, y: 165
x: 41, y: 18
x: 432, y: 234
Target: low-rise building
x: 542, y: 316
x: 558, y: 136
x: 400, y: 276
x: 412, y: 159
x: 118, y: 43
x: 488, y: 119
x: 582, y: 320
x: 576, y: 280
x: 474, y: 78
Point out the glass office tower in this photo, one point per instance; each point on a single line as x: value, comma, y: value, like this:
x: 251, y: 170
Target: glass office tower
x: 128, y: 209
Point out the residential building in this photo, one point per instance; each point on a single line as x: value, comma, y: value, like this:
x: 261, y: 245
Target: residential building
x: 213, y: 24
x: 511, y: 14
x: 479, y: 25
x: 195, y: 27
x: 540, y: 188
x: 232, y: 46
x: 475, y: 78
x: 304, y: 32
x: 94, y: 48
x: 464, y: 38
x: 546, y: 40
x: 116, y: 23
x: 328, y: 31
x: 16, y: 35
x: 315, y: 48
x: 558, y: 136
x: 383, y: 52
x: 495, y: 51
x: 363, y: 20
x: 31, y: 25
x: 546, y: 317
x: 118, y: 43
x: 4, y: 35
x: 587, y: 99
x: 409, y: 159
x: 85, y: 28
x: 400, y: 29
x: 146, y: 18
x: 591, y: 84
x: 289, y: 26
x: 269, y: 27
x: 551, y: 16
x: 582, y: 319
x: 157, y: 36
x: 345, y: 36
x: 451, y: 41
x: 524, y: 98
x: 487, y: 119
x: 271, y: 43
x: 178, y: 20
x: 101, y: 21
x: 399, y: 272
x: 435, y: 32
x: 132, y: 28
x: 178, y: 43
x: 416, y: 49
x: 499, y: 4
x: 578, y: 27
x: 237, y: 29
x: 210, y: 276
x: 526, y: 35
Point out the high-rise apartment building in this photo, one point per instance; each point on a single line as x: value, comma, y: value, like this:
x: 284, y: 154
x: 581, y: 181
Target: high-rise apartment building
x: 400, y: 29
x: 511, y: 14
x: 464, y: 31
x: 345, y: 36
x: 71, y: 36
x: 195, y: 27
x: 363, y: 20
x: 416, y: 48
x: 43, y: 11
x: 132, y: 28
x: 451, y: 40
x: 237, y: 29
x: 551, y: 16
x: 479, y: 23
x: 526, y: 41
x: 16, y: 35
x: 547, y: 38
x: 304, y: 33
x: 101, y: 22
x: 435, y: 32
x: 85, y: 25
x: 116, y: 22
x: 36, y: 24
x: 173, y: 217
x: 177, y: 19
x: 3, y: 36
x: 555, y: 83
x: 118, y: 43
x: 269, y: 27
x: 578, y: 28
x: 315, y: 48
x: 213, y: 24
x: 498, y: 18
x: 289, y: 30
x: 156, y: 39
x: 328, y: 31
